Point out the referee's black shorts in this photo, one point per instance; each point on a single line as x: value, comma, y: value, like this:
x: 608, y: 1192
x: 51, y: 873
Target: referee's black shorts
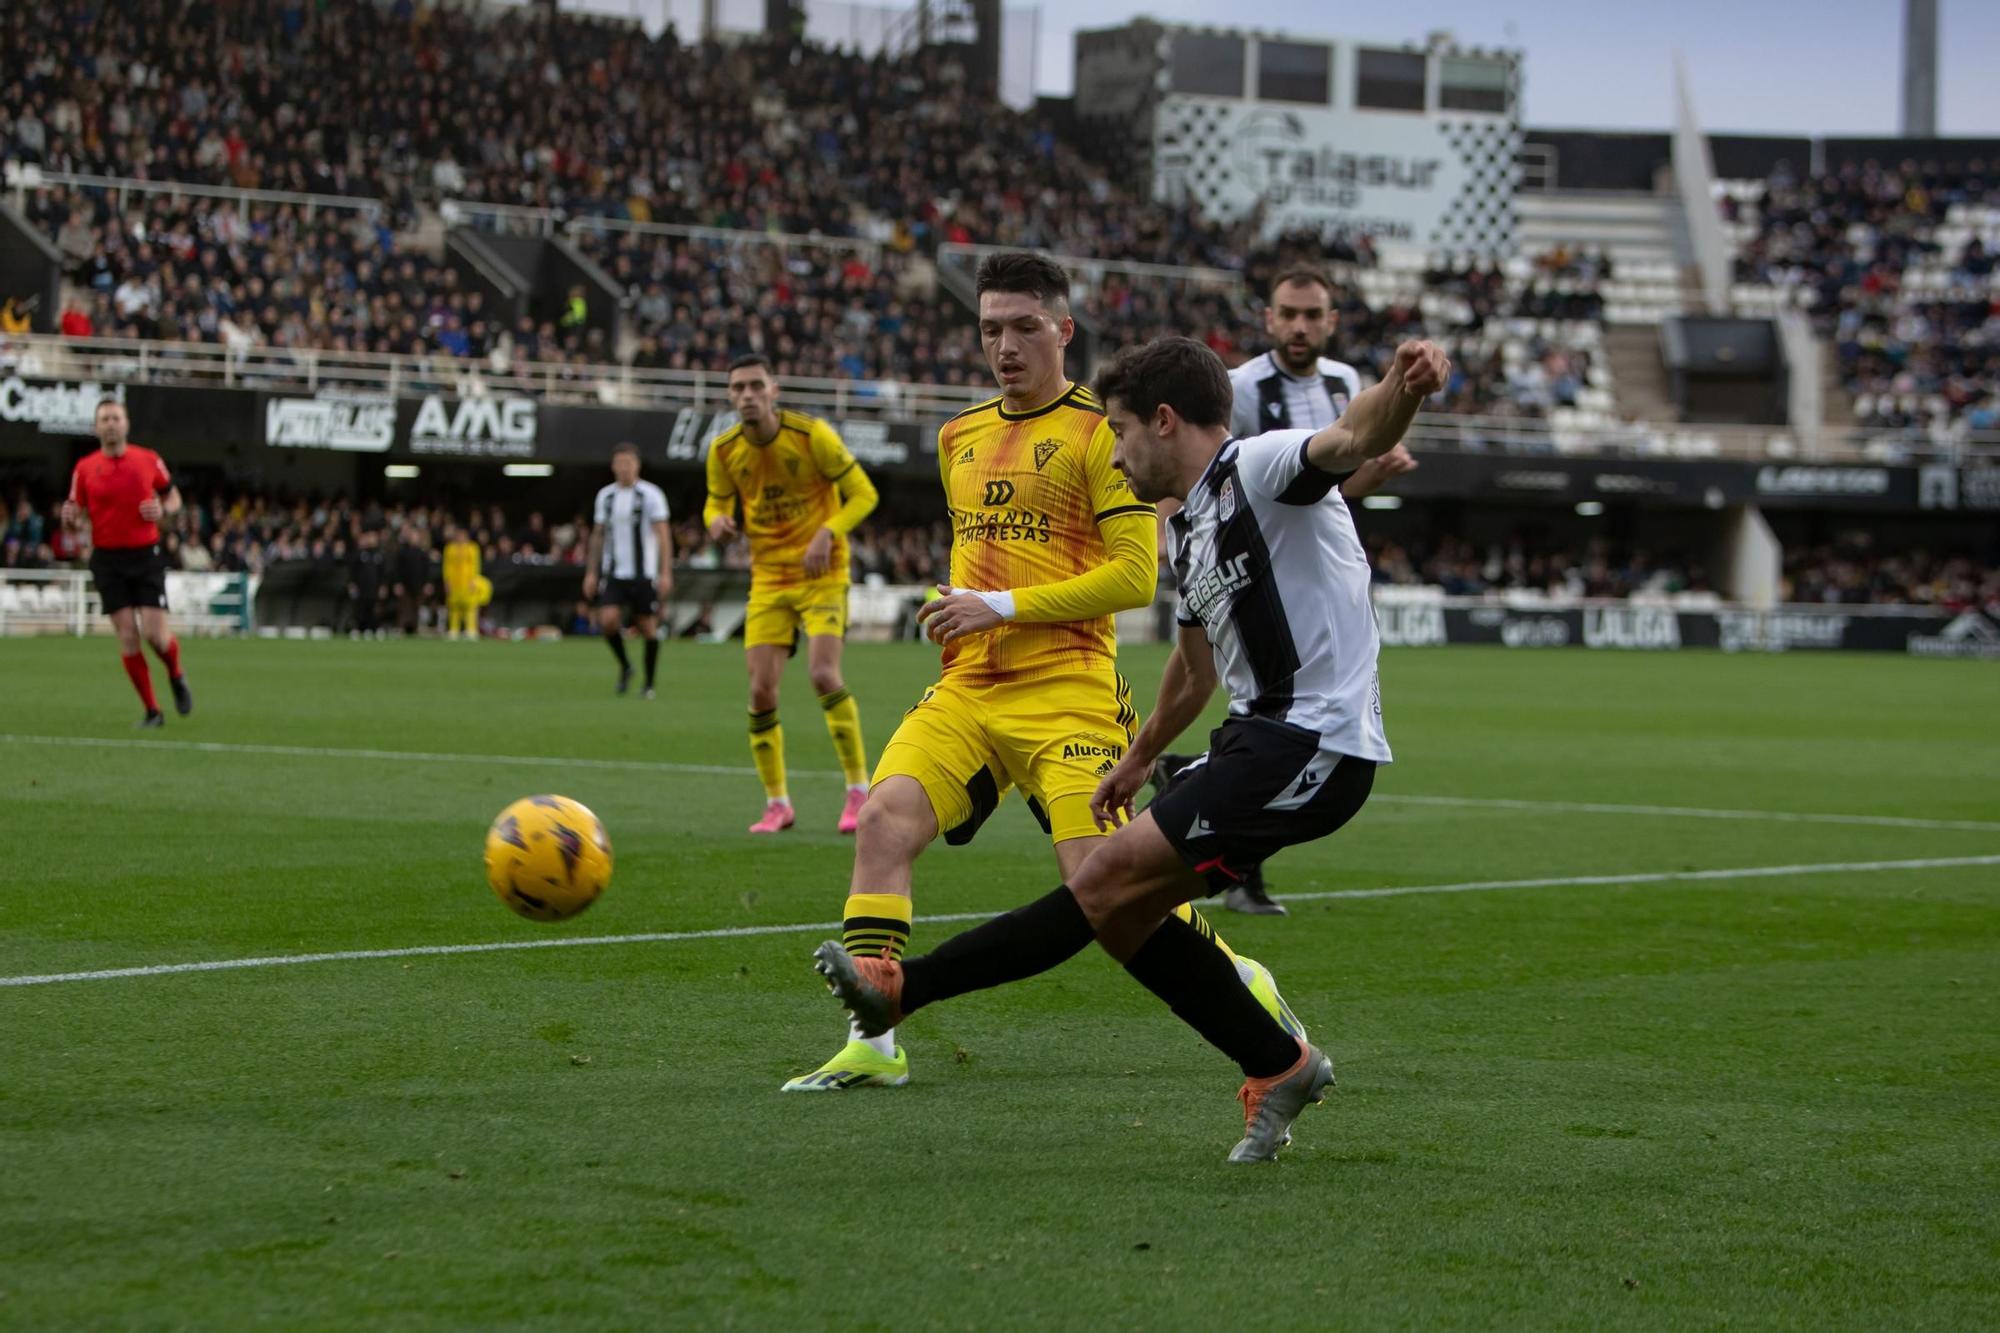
x: 1263, y: 786
x: 635, y: 597
x: 130, y: 576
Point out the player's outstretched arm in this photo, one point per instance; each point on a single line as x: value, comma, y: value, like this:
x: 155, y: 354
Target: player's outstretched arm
x: 1376, y: 473
x: 1186, y: 686
x: 1380, y: 415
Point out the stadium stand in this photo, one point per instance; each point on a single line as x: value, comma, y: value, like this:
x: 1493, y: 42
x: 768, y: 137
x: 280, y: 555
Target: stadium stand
x: 1895, y: 265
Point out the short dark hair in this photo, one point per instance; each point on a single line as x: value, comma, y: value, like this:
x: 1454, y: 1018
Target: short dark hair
x: 749, y: 359
x: 1025, y: 272
x: 626, y: 447
x: 106, y: 401
x: 1180, y: 372
x: 1302, y: 273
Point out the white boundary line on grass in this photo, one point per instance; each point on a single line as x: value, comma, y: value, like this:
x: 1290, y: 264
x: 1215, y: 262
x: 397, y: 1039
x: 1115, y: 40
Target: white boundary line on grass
x: 666, y: 766
x: 831, y: 927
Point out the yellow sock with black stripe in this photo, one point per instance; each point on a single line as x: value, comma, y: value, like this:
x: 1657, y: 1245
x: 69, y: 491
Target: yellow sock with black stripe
x: 1187, y: 913
x: 876, y: 925
x: 843, y: 724
x: 767, y: 748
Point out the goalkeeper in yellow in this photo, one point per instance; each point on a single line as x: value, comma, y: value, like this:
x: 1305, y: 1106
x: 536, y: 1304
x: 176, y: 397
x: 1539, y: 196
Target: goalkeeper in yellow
x: 800, y: 493
x: 465, y: 588
x: 1048, y: 544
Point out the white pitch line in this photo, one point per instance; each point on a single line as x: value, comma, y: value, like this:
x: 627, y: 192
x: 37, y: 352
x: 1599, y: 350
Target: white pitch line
x: 829, y: 927
x: 725, y: 770
x: 1692, y: 812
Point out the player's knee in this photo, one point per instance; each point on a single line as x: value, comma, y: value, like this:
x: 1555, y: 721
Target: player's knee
x: 826, y: 679
x: 763, y: 696
x: 891, y: 824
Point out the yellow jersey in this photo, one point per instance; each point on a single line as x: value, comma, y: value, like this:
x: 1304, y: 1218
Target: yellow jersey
x: 803, y: 480
x: 1028, y: 493
x: 461, y: 564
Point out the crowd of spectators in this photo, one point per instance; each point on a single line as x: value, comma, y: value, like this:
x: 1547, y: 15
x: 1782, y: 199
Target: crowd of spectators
x: 1595, y: 568
x: 400, y: 101
x: 1853, y: 569
x: 1476, y: 310
x: 249, y: 532
x: 819, y: 312
x: 1910, y: 302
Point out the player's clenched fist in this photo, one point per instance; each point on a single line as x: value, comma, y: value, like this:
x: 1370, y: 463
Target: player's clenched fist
x: 1421, y: 368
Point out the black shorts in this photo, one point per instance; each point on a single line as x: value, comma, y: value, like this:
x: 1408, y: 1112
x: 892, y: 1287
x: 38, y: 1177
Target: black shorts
x: 128, y: 577
x: 639, y: 597
x: 1263, y: 786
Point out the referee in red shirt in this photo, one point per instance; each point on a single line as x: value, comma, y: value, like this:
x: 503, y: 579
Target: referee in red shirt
x: 124, y: 490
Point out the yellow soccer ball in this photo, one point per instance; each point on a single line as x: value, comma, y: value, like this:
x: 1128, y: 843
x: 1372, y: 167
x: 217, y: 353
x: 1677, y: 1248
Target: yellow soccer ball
x: 547, y: 857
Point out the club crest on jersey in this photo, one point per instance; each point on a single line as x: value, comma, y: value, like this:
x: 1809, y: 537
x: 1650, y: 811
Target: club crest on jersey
x: 1044, y: 451
x: 792, y: 464
x: 1226, y: 502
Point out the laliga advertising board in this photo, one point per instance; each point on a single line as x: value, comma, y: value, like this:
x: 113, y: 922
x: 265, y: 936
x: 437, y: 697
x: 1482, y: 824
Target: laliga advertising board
x: 1441, y: 180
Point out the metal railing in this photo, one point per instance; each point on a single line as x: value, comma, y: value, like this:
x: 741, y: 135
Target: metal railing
x: 22, y: 178
x: 120, y: 360
x: 1094, y: 270
x: 115, y: 360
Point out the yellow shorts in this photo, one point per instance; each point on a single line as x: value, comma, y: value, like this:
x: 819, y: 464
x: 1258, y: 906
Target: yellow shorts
x: 1054, y: 737
x: 775, y: 614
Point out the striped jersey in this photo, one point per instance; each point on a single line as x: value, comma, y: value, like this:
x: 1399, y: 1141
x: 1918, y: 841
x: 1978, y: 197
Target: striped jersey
x: 1270, y: 566
x: 626, y: 515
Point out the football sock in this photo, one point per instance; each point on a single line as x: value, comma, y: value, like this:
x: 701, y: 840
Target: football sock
x: 171, y: 655
x: 843, y: 723
x: 1199, y: 983
x: 142, y: 679
x: 615, y: 638
x: 876, y: 925
x: 767, y: 747
x: 652, y: 660
x: 1022, y: 943
x: 1187, y: 913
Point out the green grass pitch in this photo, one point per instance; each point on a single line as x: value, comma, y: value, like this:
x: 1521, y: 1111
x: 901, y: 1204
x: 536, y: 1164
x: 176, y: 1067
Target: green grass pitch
x: 1674, y: 1102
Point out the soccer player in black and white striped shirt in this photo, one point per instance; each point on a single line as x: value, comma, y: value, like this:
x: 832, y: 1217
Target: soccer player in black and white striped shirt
x: 631, y: 562
x: 1274, y: 606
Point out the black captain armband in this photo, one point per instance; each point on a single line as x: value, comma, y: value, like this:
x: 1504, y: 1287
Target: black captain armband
x: 1313, y: 484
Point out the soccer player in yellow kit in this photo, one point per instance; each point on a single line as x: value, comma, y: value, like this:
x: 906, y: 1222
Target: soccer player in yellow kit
x: 801, y: 493
x: 465, y: 589
x: 1048, y: 544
